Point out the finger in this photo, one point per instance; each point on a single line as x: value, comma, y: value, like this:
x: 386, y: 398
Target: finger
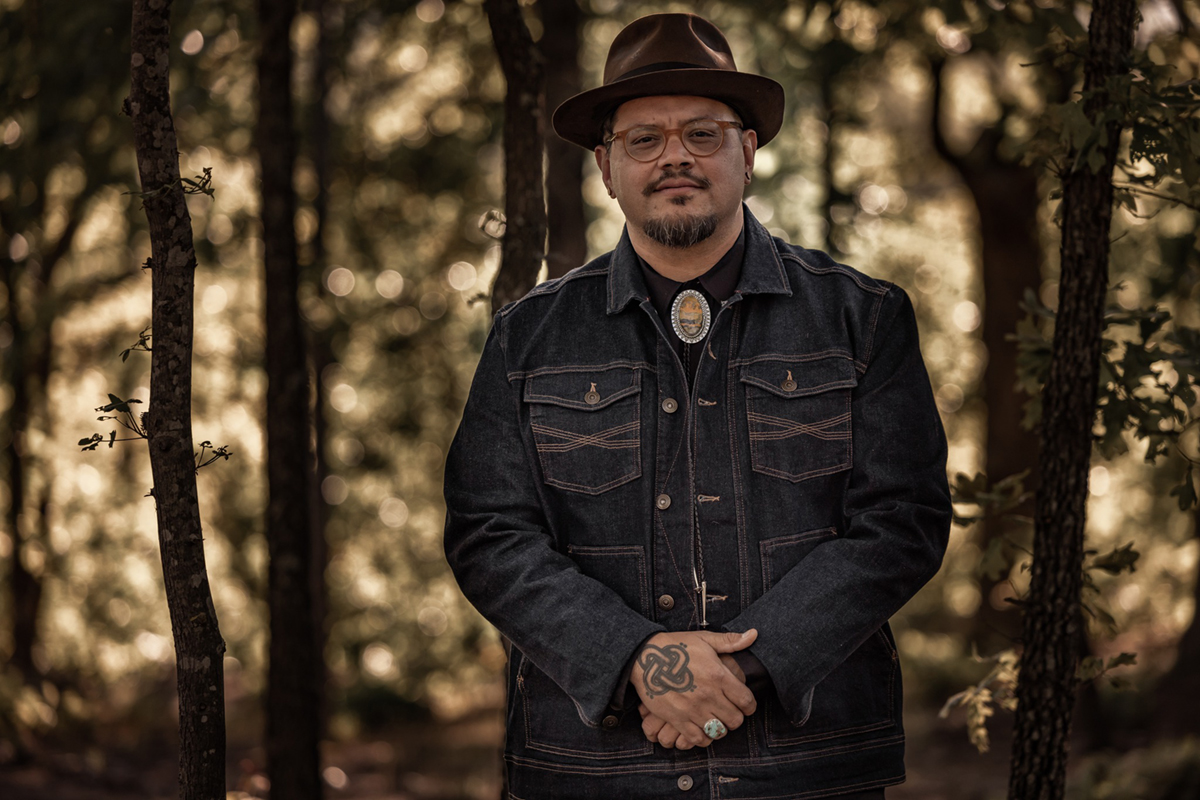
x: 651, y: 726
x: 729, y: 642
x: 732, y: 665
x: 668, y: 736
x: 643, y: 710
x: 692, y: 735
x: 727, y: 713
x: 740, y: 695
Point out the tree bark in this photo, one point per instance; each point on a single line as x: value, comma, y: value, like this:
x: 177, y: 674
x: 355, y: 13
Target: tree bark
x: 293, y: 691
x: 1053, y: 624
x: 1178, y: 694
x: 524, y: 202
x: 199, y: 648
x: 330, y: 23
x: 24, y: 586
x: 567, y: 223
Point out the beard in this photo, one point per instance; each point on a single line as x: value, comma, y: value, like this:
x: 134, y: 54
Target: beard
x: 681, y: 232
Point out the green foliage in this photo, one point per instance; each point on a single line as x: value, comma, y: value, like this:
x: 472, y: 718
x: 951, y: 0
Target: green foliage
x: 1147, y: 384
x: 1160, y: 113
x: 1092, y: 667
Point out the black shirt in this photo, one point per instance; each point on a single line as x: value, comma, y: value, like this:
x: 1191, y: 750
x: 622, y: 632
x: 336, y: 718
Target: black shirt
x: 717, y: 285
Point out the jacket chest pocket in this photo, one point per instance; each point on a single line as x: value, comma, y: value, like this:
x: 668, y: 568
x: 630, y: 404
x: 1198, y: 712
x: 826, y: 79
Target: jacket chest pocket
x: 586, y: 427
x: 798, y: 416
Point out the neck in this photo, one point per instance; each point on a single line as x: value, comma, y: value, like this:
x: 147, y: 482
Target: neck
x: 681, y: 264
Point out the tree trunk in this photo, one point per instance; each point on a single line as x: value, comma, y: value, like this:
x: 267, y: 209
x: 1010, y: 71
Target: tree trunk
x: 524, y: 202
x: 293, y: 691
x: 1053, y: 623
x: 329, y: 22
x: 25, y: 587
x: 199, y: 648
x: 567, y: 240
x: 1178, y: 694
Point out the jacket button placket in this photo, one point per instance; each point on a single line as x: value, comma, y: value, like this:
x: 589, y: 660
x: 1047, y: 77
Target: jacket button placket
x: 672, y: 547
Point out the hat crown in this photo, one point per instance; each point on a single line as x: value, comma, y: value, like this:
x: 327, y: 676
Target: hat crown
x: 667, y: 41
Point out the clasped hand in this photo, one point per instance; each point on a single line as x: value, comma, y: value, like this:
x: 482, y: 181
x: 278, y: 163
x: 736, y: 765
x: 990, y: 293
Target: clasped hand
x: 686, y: 678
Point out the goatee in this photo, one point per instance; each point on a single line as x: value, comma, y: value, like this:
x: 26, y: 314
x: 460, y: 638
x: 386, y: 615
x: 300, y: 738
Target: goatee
x: 681, y: 233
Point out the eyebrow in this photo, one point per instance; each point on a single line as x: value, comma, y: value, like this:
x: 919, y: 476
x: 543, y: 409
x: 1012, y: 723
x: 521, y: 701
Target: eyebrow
x: 685, y: 122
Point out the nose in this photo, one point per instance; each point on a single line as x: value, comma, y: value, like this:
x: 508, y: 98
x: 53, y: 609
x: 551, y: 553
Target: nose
x: 674, y: 154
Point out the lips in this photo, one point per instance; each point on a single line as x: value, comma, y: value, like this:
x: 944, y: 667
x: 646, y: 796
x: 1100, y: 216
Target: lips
x: 668, y: 182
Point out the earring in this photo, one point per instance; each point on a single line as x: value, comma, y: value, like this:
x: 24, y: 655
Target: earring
x: 747, y: 176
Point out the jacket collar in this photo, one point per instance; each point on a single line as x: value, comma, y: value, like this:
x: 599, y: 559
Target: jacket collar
x: 762, y: 270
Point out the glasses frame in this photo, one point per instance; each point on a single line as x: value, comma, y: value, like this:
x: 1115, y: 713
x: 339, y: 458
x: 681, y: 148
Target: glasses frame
x: 723, y: 124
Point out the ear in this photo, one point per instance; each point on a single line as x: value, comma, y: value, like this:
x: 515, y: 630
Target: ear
x: 749, y: 148
x: 602, y: 161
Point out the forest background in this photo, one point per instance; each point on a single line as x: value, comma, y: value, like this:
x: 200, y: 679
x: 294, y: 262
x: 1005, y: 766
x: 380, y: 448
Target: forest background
x: 919, y: 146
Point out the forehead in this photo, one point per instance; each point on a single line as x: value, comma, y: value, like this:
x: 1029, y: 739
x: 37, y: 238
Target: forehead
x: 668, y: 109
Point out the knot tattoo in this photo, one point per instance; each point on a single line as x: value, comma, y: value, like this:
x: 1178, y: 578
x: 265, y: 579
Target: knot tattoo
x: 665, y: 669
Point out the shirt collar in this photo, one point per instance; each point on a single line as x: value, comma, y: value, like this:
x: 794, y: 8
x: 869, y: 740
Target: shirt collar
x: 719, y: 282
x: 761, y: 273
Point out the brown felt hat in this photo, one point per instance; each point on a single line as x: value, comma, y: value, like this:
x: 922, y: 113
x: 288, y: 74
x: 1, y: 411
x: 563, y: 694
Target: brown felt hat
x: 671, y: 54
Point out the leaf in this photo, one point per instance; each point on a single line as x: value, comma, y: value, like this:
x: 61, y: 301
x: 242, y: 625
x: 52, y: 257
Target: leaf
x: 1186, y: 491
x: 1119, y: 560
x: 1121, y: 660
x: 995, y: 562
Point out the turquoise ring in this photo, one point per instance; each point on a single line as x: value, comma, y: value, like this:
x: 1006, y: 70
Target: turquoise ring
x: 715, y: 729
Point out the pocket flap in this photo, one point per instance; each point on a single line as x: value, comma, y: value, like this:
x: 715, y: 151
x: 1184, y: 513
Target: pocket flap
x: 585, y: 389
x: 798, y: 377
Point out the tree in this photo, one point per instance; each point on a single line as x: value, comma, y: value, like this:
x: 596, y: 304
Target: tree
x: 295, y: 674
x: 199, y: 647
x: 567, y: 240
x: 1053, y: 623
x: 524, y: 203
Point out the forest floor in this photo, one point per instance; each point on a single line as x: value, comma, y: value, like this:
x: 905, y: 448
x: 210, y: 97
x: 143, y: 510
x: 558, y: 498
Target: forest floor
x: 457, y: 760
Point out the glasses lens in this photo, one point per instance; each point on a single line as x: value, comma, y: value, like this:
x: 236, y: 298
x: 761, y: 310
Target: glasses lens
x: 644, y: 143
x: 702, y: 137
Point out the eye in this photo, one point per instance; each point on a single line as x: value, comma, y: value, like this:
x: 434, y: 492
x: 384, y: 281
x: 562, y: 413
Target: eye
x: 643, y: 137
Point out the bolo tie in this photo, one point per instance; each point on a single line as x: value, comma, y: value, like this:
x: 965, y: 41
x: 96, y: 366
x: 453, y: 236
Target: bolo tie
x: 691, y: 317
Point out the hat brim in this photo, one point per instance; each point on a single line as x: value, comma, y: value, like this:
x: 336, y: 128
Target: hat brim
x: 757, y: 99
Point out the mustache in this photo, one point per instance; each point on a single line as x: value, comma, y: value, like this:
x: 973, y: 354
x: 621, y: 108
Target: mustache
x: 650, y: 189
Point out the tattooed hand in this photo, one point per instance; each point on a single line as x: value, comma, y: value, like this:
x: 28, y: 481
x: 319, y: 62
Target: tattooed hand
x: 683, y: 683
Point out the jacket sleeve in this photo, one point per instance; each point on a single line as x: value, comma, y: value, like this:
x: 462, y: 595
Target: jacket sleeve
x: 572, y: 627
x: 897, y: 511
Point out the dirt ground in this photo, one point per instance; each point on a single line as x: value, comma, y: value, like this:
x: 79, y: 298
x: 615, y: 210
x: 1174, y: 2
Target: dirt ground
x: 457, y: 760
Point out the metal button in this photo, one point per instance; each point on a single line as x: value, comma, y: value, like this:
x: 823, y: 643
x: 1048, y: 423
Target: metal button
x: 663, y: 502
x: 666, y: 602
x: 609, y: 722
x: 684, y: 782
x: 788, y: 386
x: 592, y: 397
x: 670, y: 405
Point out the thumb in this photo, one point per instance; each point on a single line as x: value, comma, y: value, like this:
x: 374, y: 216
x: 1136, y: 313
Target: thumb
x: 730, y: 642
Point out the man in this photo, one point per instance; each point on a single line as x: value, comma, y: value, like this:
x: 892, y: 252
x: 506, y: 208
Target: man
x: 696, y: 476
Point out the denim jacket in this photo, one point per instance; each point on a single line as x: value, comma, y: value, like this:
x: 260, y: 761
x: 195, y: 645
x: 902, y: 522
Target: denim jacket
x: 801, y: 480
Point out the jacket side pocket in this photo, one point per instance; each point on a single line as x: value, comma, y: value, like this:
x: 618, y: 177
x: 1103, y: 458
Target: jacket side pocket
x: 856, y: 697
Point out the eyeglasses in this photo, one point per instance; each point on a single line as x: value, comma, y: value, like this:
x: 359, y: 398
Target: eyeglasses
x: 701, y: 137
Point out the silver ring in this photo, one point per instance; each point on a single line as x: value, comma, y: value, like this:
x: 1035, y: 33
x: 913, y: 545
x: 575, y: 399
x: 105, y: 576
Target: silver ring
x: 715, y: 729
